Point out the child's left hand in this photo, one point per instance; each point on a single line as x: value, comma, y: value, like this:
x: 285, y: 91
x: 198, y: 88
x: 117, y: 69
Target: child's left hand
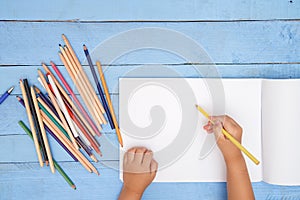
x: 139, y: 170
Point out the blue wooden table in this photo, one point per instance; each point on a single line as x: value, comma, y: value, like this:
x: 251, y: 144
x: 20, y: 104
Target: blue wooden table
x: 245, y: 39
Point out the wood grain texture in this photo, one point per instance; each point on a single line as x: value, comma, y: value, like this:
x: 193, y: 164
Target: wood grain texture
x: 113, y: 10
x: 27, y: 181
x: 246, y: 39
x: 10, y: 75
x: 225, y: 42
x: 19, y: 148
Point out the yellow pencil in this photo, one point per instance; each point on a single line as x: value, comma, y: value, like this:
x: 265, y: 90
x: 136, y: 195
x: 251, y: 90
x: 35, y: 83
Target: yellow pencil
x: 230, y: 137
x: 109, y: 102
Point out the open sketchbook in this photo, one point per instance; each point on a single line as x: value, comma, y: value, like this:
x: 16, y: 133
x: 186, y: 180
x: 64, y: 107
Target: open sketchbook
x: 160, y: 114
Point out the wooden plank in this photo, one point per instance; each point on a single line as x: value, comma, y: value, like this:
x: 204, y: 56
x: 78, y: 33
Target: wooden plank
x: 28, y: 181
x: 19, y: 148
x: 11, y: 111
x: 225, y: 42
x: 10, y: 75
x: 113, y: 10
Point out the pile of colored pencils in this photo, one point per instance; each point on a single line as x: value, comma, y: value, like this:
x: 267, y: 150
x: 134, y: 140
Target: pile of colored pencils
x: 63, y: 118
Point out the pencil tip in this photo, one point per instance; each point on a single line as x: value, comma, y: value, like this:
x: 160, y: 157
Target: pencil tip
x: 59, y: 45
x: 11, y: 89
x: 73, y: 186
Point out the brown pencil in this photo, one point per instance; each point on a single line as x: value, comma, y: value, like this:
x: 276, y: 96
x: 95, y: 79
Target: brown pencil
x: 42, y: 128
x: 35, y: 139
x: 111, y: 108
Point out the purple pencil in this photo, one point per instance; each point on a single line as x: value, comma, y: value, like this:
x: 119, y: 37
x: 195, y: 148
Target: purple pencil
x: 46, y: 100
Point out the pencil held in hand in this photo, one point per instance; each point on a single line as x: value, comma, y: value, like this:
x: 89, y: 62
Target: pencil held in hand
x: 230, y: 137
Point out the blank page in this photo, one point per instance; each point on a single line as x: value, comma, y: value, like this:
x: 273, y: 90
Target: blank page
x: 280, y: 130
x: 160, y: 114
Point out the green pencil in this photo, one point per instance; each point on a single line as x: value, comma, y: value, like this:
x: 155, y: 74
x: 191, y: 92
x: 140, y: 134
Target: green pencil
x: 56, y: 165
x: 53, y: 120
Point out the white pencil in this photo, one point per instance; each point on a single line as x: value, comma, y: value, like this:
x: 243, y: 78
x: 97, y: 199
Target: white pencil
x: 62, y: 106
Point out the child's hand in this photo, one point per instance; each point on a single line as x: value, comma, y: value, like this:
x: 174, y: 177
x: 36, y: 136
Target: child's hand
x: 229, y: 150
x: 139, y: 170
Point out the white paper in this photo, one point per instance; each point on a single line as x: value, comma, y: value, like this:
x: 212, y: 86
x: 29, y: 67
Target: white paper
x: 160, y: 114
x: 280, y: 130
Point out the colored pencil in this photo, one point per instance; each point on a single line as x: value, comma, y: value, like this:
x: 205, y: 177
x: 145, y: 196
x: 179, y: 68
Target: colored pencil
x: 78, y: 122
x: 81, y: 90
x: 86, y: 149
x: 62, y: 106
x: 45, y: 99
x: 89, y: 124
x: 111, y: 108
x: 61, y: 116
x: 45, y: 109
x: 57, y: 123
x: 81, y: 158
x: 49, y: 131
x: 90, y: 139
x: 64, y: 140
x: 230, y: 137
x: 66, y: 97
x: 35, y: 121
x: 43, y: 132
x: 74, y: 57
x: 86, y: 51
x: 6, y: 94
x: 56, y: 165
x: 90, y: 93
x: 29, y: 115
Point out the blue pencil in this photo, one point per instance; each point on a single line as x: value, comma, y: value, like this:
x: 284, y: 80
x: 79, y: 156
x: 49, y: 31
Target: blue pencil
x: 99, y: 87
x: 6, y: 94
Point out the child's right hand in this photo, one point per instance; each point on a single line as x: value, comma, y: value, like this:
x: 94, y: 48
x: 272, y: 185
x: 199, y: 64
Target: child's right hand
x: 228, y: 149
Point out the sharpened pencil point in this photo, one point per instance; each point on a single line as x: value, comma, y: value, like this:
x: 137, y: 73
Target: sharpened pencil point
x: 84, y: 47
x: 73, y: 186
x: 10, y: 89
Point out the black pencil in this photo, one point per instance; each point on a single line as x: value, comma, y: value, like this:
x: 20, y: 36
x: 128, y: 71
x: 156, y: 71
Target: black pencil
x: 35, y: 121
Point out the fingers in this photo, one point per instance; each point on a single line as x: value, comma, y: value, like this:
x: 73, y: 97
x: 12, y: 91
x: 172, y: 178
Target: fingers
x: 147, y: 158
x: 227, y: 122
x: 130, y: 154
x: 153, y: 167
x: 139, y: 154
